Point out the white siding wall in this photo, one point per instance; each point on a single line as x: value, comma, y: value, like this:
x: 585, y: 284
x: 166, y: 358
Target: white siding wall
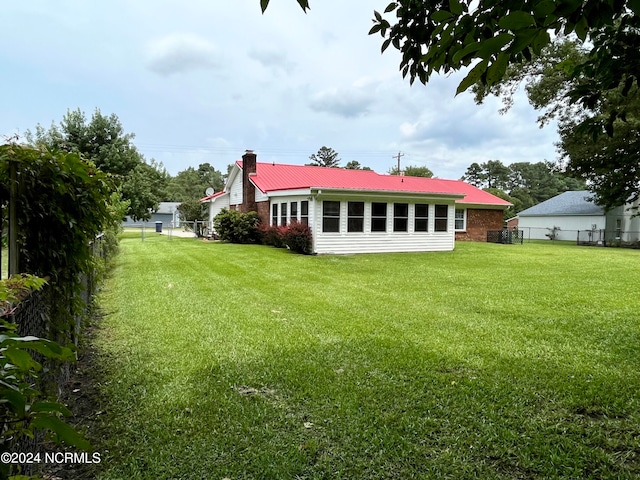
x: 235, y: 190
x: 217, y: 205
x: 536, y: 228
x: 261, y: 197
x: 344, y: 242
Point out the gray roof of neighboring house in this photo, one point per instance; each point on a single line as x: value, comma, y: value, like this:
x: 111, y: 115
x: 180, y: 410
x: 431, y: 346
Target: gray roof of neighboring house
x: 167, y: 207
x: 567, y: 203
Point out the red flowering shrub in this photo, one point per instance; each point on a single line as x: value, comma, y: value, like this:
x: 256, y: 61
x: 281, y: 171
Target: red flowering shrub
x: 298, y: 238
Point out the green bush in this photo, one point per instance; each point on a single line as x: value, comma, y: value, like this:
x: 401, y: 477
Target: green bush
x: 298, y: 238
x: 237, y: 227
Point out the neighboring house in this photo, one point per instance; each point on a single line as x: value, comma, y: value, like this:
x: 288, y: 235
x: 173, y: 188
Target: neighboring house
x: 571, y: 212
x: 359, y: 211
x: 623, y: 224
x: 167, y: 213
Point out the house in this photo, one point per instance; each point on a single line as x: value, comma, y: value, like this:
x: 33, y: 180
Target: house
x: 167, y: 213
x: 623, y: 224
x: 577, y: 217
x: 569, y: 213
x: 360, y: 211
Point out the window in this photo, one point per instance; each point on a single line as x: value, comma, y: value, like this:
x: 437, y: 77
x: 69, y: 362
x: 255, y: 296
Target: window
x: 441, y: 218
x: 274, y: 214
x: 421, y: 221
x: 378, y: 217
x: 400, y: 217
x: 283, y: 214
x: 618, y: 228
x: 294, y: 211
x: 460, y: 219
x: 304, y: 212
x: 330, y: 216
x: 355, y: 217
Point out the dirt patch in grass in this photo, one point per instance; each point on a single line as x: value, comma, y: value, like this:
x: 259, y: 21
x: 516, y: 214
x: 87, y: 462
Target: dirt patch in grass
x: 81, y: 395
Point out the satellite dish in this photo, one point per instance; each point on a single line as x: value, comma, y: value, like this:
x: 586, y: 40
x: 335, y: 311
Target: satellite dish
x: 209, y: 191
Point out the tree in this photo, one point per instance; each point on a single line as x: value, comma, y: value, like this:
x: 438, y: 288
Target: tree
x: 610, y: 163
x: 490, y: 174
x: 192, y: 210
x: 326, y: 157
x: 475, y: 175
x: 103, y: 142
x: 355, y: 165
x: 138, y: 190
x: 413, y: 171
x: 523, y: 184
x: 440, y: 36
x: 192, y: 183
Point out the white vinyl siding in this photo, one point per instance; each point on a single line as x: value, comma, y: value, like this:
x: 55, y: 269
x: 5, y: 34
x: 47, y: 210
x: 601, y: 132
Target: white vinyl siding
x: 345, y: 242
x: 536, y: 227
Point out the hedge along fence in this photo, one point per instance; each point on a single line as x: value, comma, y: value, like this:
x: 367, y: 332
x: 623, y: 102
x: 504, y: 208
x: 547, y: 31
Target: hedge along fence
x: 56, y: 206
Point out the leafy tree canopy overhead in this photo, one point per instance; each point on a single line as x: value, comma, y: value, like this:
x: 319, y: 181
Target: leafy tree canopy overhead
x: 610, y: 163
x: 486, y: 36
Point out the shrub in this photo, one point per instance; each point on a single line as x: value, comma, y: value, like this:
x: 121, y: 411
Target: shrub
x: 298, y: 238
x: 237, y: 227
x: 273, y: 235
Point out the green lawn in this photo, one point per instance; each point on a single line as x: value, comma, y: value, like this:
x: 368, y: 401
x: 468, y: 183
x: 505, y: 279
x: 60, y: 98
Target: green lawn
x: 492, y: 361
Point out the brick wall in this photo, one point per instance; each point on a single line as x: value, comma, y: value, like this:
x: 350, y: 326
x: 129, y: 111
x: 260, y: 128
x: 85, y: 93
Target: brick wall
x: 248, y: 190
x: 478, y: 222
x: 263, y: 210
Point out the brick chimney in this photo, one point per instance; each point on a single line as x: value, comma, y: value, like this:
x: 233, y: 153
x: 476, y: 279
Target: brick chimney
x: 248, y: 190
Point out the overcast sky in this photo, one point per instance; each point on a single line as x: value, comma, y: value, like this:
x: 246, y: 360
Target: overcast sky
x: 202, y: 81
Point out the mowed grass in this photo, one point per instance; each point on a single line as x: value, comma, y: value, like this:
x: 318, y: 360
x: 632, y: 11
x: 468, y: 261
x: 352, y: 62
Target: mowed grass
x: 224, y: 361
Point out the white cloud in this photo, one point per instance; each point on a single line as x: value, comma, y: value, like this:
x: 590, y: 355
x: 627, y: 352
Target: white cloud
x: 181, y: 53
x: 344, y: 102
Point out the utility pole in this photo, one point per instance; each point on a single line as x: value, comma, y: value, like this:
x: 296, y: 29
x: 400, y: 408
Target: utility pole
x: 400, y: 154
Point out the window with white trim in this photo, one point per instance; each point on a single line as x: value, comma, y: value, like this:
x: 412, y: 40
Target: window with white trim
x: 461, y: 220
x: 378, y: 217
x: 330, y: 216
x: 274, y: 214
x: 400, y: 217
x: 355, y: 217
x: 421, y: 217
x: 304, y: 212
x: 283, y: 214
x: 441, y: 218
x: 294, y: 211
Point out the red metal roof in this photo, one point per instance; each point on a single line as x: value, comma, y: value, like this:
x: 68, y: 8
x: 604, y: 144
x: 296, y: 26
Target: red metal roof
x: 214, y: 195
x: 270, y: 177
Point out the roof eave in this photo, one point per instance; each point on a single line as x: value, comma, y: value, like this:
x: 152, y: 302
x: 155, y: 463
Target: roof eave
x: 408, y: 193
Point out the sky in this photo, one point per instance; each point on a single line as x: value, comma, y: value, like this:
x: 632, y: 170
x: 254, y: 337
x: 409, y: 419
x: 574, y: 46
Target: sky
x: 202, y: 81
